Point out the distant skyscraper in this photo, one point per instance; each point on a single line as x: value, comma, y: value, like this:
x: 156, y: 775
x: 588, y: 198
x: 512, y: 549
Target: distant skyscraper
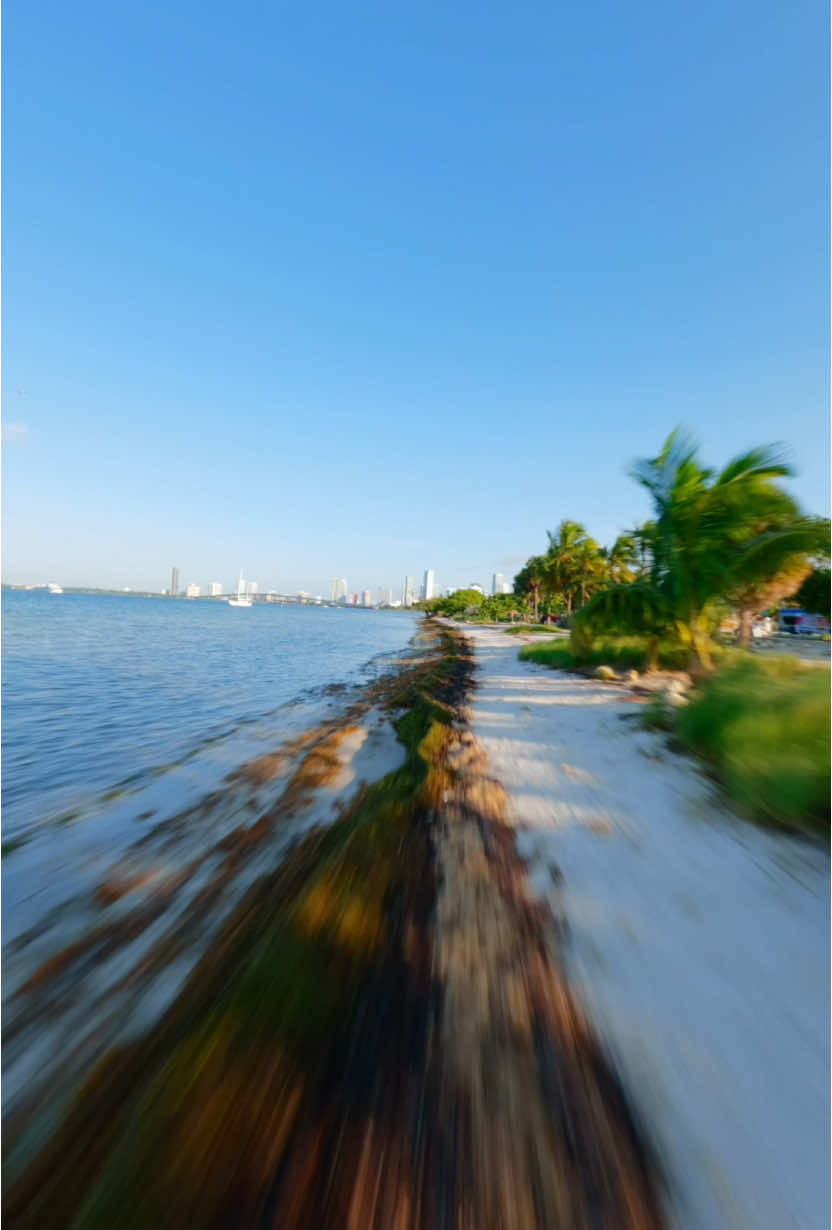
x: 507, y: 589
x: 174, y: 582
x: 216, y: 589
x: 407, y: 592
x: 367, y: 598
x: 429, y: 585
x: 251, y: 588
x: 497, y: 583
x: 338, y: 590
x: 192, y: 591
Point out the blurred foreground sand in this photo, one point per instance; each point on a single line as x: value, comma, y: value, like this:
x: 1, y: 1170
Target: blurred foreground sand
x: 699, y: 943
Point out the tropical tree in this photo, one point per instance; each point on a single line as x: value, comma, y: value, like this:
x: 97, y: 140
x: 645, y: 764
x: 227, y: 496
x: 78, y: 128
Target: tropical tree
x: 622, y: 559
x: 639, y: 606
x: 460, y: 602
x: 642, y: 536
x: 575, y: 566
x: 775, y: 563
x: 814, y: 594
x: 710, y: 534
x: 529, y: 581
x: 499, y: 607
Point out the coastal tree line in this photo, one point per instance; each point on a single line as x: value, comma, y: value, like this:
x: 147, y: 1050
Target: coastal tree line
x: 718, y: 541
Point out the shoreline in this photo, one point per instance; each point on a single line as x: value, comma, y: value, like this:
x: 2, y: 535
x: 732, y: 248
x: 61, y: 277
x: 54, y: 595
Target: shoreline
x: 336, y: 1055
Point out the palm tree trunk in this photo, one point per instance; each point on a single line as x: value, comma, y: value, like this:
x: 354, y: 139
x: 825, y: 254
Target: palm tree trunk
x: 744, y: 633
x: 700, y: 643
x: 652, y: 653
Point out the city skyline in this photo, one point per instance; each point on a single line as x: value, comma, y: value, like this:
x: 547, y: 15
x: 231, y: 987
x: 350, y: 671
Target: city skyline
x: 338, y: 589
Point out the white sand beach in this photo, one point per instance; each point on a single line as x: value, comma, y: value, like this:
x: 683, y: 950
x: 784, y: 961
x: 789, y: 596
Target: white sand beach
x: 699, y: 943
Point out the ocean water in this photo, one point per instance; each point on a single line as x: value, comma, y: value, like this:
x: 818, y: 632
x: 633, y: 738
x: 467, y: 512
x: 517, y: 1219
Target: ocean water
x: 109, y: 701
x: 126, y: 721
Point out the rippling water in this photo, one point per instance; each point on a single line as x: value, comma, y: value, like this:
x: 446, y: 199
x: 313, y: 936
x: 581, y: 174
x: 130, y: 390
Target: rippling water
x: 103, y: 693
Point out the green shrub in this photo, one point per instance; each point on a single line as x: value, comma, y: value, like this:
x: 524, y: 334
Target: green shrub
x: 764, y: 727
x: 518, y: 629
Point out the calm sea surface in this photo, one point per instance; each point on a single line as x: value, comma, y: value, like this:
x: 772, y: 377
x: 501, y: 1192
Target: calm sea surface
x: 104, y: 696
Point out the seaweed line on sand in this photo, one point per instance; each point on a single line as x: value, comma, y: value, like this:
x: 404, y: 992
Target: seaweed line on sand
x: 380, y: 1035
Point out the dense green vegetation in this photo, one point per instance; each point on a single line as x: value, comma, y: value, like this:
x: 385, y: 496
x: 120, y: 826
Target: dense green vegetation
x: 718, y: 541
x: 814, y: 593
x: 573, y: 568
x: 763, y: 726
x: 470, y: 604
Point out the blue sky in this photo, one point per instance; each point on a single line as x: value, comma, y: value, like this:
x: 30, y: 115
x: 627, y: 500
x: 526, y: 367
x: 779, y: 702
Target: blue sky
x: 360, y: 289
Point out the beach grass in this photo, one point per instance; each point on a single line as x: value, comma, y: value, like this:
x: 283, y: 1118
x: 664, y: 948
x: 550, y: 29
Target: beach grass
x: 618, y: 652
x: 763, y: 726
x: 518, y: 629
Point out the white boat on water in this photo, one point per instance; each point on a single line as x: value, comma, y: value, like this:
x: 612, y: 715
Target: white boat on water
x: 242, y: 598
x: 53, y: 588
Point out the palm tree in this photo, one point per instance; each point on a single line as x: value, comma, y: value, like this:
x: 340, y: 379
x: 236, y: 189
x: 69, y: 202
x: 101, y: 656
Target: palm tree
x: 710, y: 533
x: 638, y: 606
x: 622, y: 559
x: 574, y: 565
x: 642, y: 536
x: 529, y: 580
x: 775, y: 564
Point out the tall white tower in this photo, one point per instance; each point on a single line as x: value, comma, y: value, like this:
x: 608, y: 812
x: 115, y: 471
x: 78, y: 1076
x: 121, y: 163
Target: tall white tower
x: 430, y: 584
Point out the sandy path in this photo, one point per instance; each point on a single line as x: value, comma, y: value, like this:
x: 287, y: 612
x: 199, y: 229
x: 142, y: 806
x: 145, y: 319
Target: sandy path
x: 700, y: 944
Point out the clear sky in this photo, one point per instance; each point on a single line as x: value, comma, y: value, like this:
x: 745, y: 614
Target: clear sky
x: 354, y: 290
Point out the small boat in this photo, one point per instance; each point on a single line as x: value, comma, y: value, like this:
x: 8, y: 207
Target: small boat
x: 242, y: 598
x: 53, y: 588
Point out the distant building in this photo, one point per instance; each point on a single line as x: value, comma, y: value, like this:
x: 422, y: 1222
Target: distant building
x: 215, y: 589
x: 429, y: 585
x: 353, y: 599
x: 338, y: 590
x: 479, y: 589
x: 497, y: 583
x: 251, y: 588
x: 174, y: 582
x: 192, y: 591
x: 367, y: 598
x: 407, y: 592
x: 385, y: 596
